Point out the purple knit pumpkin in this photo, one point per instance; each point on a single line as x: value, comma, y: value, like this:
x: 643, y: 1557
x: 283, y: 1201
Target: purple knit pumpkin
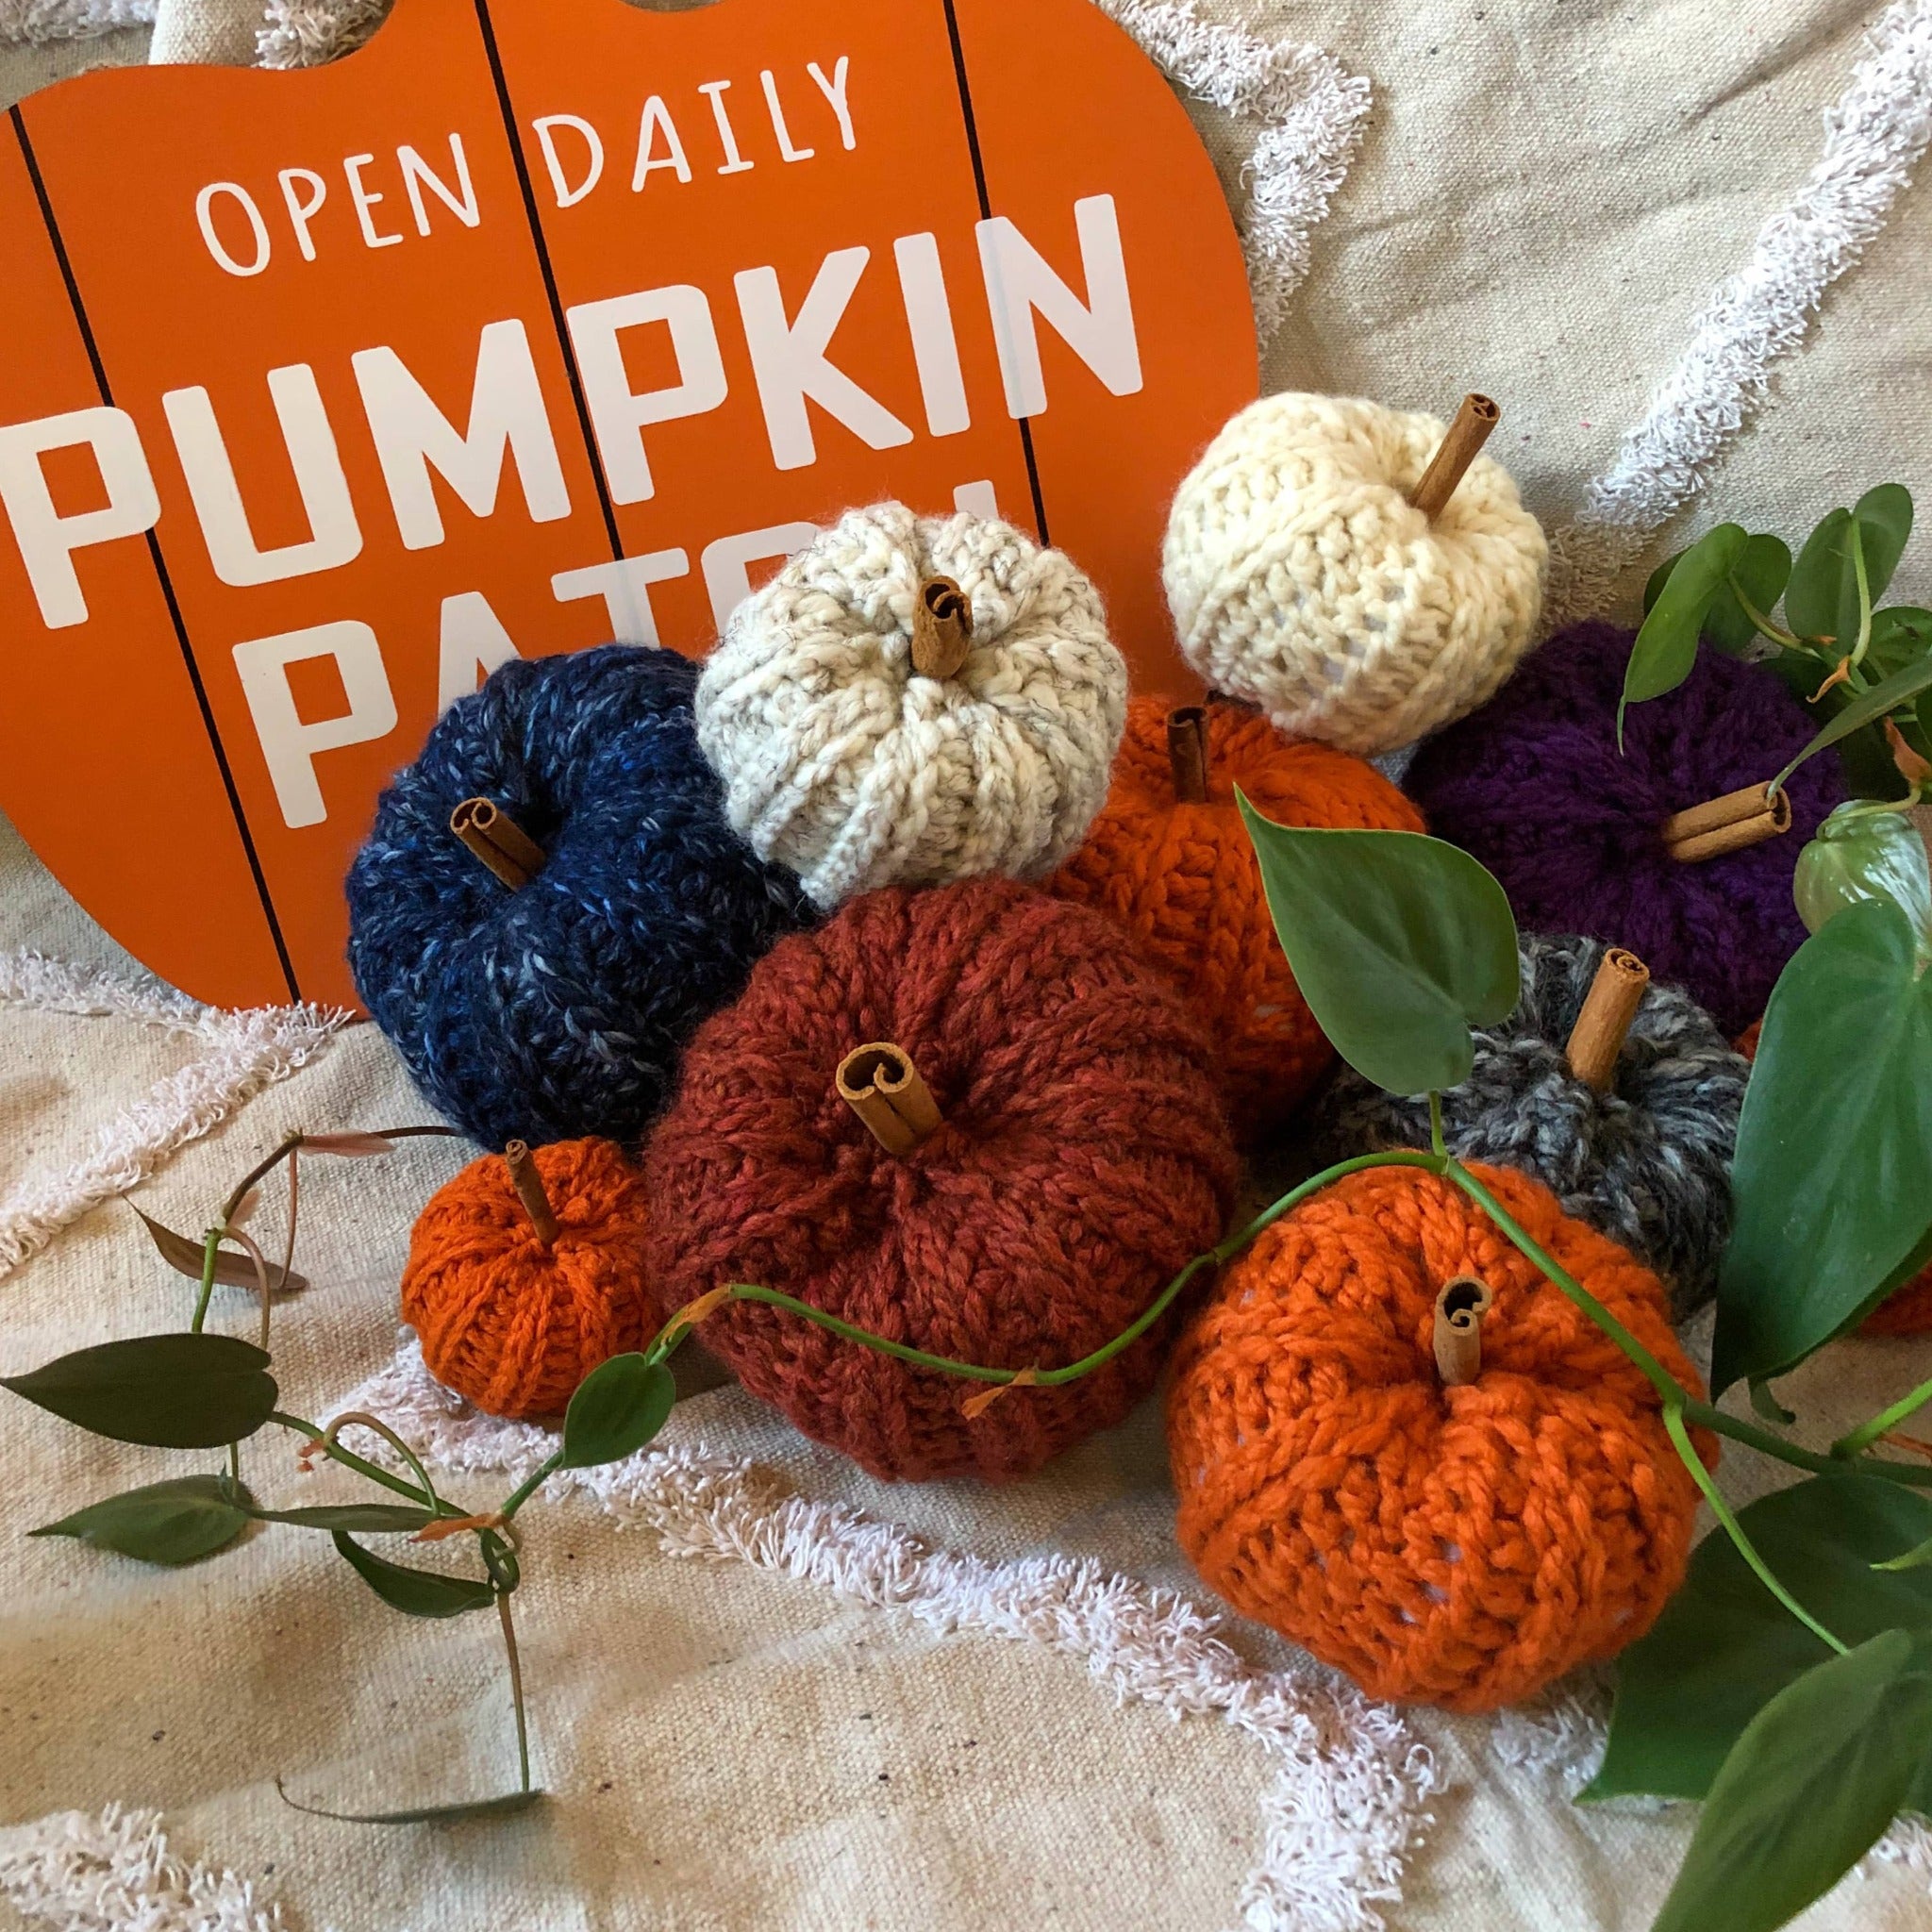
x: 1534, y: 786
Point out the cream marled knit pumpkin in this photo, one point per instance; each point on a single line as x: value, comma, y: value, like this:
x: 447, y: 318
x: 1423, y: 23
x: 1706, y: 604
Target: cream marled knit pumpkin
x: 1302, y: 580
x: 841, y: 761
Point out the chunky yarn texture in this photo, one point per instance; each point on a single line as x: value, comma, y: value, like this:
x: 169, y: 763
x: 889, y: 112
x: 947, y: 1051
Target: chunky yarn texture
x: 560, y: 1009
x: 843, y: 762
x: 1182, y: 879
x: 513, y: 1326
x: 1648, y: 1163
x: 1083, y: 1160
x: 1534, y: 787
x: 1301, y: 578
x: 1460, y: 1546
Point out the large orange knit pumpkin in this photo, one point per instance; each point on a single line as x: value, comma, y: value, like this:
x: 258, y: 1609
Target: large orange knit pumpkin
x: 1183, y: 880
x: 1459, y: 1546
x: 508, y: 1322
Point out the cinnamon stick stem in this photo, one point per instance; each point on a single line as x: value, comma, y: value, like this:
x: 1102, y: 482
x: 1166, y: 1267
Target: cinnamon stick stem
x: 1730, y: 823
x: 498, y: 840
x: 1475, y: 420
x: 529, y: 1186
x: 941, y: 628
x: 1604, y: 1022
x: 879, y: 1083
x: 1187, y: 753
x: 1458, y: 1336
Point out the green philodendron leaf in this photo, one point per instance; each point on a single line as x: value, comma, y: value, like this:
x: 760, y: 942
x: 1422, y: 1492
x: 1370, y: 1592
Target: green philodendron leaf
x: 367, y: 1519
x: 506, y: 1806
x: 164, y: 1391
x: 1888, y: 694
x: 1862, y: 855
x: 1400, y: 943
x: 618, y: 1408
x: 1762, y: 570
x: 1724, y: 1646
x: 170, y: 1524
x: 1819, y: 576
x: 1884, y: 516
x: 1834, y: 1162
x: 1654, y: 588
x: 1821, y: 599
x: 1818, y: 1774
x: 1900, y: 636
x: 1863, y: 755
x: 1665, y: 652
x: 415, y: 1592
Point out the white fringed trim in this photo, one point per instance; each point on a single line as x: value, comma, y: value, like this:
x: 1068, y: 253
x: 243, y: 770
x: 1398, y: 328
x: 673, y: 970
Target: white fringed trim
x: 1874, y: 136
x: 115, y: 1874
x: 33, y: 23
x: 1351, y: 1780
x: 246, y: 1051
x: 308, y: 33
x: 1311, y: 111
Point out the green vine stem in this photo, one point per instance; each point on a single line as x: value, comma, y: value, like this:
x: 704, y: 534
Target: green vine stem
x: 1674, y: 1421
x: 516, y: 1688
x: 311, y: 1432
x: 1866, y: 1434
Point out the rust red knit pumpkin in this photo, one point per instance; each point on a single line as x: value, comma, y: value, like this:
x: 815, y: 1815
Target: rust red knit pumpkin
x: 1083, y: 1158
x: 1182, y: 879
x: 507, y: 1322
x: 1459, y: 1546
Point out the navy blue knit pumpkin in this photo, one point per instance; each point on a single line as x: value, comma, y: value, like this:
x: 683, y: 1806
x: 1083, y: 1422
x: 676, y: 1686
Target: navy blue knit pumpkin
x: 558, y: 1008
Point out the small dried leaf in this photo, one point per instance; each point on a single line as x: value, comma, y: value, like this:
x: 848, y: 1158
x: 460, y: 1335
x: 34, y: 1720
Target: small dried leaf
x: 232, y: 1271
x: 693, y: 1313
x: 244, y: 1208
x: 504, y: 1806
x: 355, y: 1146
x: 977, y: 1406
x: 442, y: 1527
x: 1912, y: 768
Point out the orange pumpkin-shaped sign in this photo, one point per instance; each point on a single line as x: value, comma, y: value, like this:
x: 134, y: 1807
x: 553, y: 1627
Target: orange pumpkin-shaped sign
x: 536, y: 322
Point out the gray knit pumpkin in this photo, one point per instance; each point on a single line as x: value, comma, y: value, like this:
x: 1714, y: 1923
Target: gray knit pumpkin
x: 1649, y: 1163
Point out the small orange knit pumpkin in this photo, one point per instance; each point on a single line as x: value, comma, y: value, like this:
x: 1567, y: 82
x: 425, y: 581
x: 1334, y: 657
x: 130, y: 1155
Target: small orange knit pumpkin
x: 1908, y: 1311
x: 1182, y: 879
x: 1459, y: 1546
x: 508, y: 1323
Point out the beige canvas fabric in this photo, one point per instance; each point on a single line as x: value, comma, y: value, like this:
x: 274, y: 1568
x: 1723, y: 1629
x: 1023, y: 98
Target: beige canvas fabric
x: 1544, y: 199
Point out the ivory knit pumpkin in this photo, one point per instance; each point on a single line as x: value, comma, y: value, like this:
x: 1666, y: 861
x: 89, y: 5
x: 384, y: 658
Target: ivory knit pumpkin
x: 1081, y: 1160
x: 1648, y: 1163
x: 513, y: 1326
x: 1460, y: 1546
x: 1182, y: 879
x: 843, y: 762
x: 1301, y: 578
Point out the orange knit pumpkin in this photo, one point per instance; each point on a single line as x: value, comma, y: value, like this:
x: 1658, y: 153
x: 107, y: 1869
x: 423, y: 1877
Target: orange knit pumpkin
x: 1182, y: 879
x: 1908, y: 1311
x: 1459, y: 1546
x: 513, y: 1326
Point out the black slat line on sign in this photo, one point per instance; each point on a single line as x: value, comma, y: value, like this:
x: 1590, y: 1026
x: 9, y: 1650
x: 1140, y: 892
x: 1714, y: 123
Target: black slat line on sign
x: 543, y: 248
x: 986, y: 215
x: 161, y: 563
